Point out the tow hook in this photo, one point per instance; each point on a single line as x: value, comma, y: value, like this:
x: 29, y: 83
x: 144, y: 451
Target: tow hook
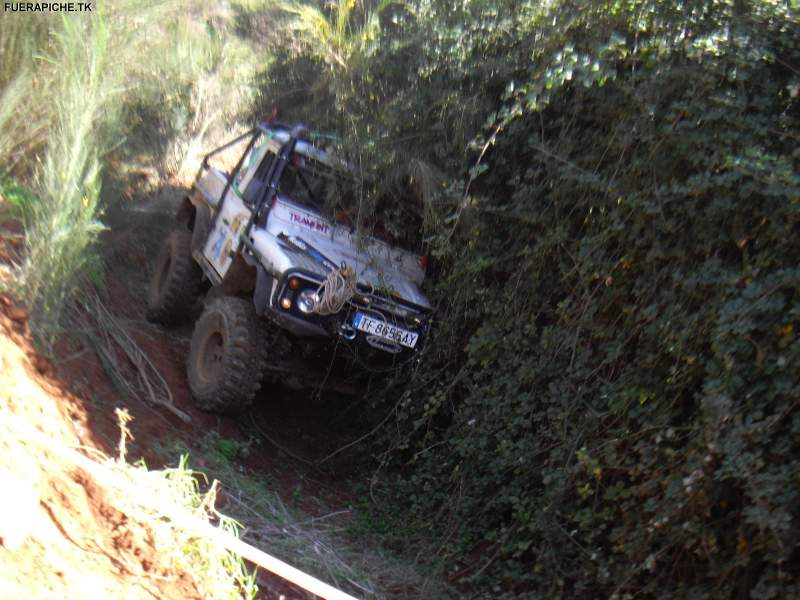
x: 347, y: 332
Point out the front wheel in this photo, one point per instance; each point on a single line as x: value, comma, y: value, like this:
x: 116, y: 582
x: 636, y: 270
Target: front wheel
x: 227, y: 356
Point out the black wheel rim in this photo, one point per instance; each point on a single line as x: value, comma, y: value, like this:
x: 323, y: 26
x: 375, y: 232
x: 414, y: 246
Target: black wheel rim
x: 210, y: 358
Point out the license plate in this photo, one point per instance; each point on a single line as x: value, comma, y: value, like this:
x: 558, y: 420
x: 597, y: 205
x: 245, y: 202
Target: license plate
x: 385, y: 330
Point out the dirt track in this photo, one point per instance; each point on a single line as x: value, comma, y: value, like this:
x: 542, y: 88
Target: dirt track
x: 299, y: 423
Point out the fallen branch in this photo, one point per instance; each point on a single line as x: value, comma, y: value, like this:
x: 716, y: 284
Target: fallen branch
x: 128, y: 363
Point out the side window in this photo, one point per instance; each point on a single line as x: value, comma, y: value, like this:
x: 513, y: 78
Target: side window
x: 256, y: 168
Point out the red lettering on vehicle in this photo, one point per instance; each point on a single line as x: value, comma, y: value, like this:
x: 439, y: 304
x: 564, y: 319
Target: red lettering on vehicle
x: 310, y: 223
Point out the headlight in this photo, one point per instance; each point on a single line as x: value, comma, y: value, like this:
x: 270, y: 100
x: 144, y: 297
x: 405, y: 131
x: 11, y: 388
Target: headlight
x: 306, y: 301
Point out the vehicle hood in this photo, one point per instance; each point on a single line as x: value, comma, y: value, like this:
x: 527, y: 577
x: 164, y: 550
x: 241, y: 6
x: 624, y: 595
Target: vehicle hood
x: 375, y: 262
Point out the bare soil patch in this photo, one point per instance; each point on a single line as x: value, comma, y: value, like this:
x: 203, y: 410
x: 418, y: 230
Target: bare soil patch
x: 62, y: 537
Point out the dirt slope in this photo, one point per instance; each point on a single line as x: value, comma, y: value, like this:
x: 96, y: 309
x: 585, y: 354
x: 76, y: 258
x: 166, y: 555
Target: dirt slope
x: 62, y: 537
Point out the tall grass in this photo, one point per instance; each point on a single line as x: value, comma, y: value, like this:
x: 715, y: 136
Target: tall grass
x: 317, y: 545
x: 217, y: 571
x: 73, y: 87
x: 62, y: 227
x: 22, y: 118
x: 306, y: 543
x: 334, y: 36
x: 190, y: 78
x: 11, y: 100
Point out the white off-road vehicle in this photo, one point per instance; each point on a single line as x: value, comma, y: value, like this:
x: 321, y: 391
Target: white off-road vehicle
x: 288, y: 290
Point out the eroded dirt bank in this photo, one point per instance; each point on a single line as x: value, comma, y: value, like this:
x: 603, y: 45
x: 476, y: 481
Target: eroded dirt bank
x: 62, y: 535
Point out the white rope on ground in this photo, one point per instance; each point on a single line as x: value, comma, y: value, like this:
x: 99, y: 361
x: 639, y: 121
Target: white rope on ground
x: 337, y: 290
x: 177, y: 516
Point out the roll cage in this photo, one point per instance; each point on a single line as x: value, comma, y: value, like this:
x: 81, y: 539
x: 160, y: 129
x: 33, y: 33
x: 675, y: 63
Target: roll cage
x: 264, y: 185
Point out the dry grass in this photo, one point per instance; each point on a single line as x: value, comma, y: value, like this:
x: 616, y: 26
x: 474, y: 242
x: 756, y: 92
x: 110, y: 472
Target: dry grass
x: 126, y: 363
x: 320, y: 545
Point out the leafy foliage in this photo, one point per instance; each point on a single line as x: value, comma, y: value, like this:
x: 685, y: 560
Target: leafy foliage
x: 609, y: 407
x: 332, y: 38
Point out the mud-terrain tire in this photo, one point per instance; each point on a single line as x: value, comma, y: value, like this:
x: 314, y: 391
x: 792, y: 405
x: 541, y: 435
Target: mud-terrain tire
x: 175, y: 282
x: 227, y: 356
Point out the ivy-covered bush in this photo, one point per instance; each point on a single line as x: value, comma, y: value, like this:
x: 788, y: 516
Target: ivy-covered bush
x: 610, y: 406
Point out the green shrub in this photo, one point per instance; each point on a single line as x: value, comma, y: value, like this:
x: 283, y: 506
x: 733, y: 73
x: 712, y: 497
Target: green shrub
x: 609, y: 406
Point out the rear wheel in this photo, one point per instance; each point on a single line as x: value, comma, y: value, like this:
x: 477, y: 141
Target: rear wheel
x: 175, y: 283
x: 227, y: 356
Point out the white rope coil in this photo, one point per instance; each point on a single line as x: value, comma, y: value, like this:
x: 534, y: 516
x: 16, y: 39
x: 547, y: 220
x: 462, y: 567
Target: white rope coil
x: 337, y: 290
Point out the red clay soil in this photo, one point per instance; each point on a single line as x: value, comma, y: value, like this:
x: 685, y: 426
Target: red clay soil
x: 61, y: 536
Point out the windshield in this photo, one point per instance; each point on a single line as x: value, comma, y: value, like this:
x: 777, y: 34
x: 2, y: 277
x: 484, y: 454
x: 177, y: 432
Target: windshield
x: 314, y: 184
x: 335, y: 193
